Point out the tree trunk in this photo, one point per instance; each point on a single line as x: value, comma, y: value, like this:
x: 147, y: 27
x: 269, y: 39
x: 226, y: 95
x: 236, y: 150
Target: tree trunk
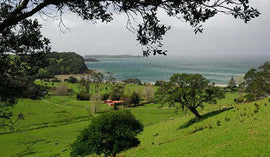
x: 195, y: 112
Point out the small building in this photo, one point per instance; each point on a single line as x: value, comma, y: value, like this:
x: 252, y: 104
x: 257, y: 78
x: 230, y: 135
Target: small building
x: 112, y: 103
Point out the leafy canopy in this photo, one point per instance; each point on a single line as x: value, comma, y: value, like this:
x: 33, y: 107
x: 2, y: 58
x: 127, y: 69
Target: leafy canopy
x: 108, y: 134
x: 257, y: 82
x: 149, y: 30
x: 190, y: 90
x: 22, y: 50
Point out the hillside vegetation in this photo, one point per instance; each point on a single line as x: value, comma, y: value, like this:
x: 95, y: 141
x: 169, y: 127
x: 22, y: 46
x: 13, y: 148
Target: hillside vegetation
x: 52, y: 124
x: 63, y: 63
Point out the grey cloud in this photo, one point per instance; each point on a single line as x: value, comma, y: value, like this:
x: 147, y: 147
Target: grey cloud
x: 223, y: 35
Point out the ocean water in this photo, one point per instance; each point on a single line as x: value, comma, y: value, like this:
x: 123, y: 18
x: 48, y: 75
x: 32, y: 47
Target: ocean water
x: 217, y: 69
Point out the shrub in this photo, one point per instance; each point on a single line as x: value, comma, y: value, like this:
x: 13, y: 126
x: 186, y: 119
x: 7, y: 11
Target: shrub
x: 250, y: 97
x: 133, y: 81
x: 239, y: 100
x: 72, y: 79
x: 159, y: 82
x: 108, y: 134
x: 83, y: 96
x: 105, y: 96
x: 55, y: 80
x: 218, y: 123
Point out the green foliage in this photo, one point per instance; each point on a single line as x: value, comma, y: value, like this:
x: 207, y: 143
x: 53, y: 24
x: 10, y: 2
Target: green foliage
x: 239, y: 100
x: 22, y: 50
x: 190, y: 90
x: 150, y: 30
x: 83, y: 96
x: 159, y: 82
x: 133, y: 81
x: 62, y: 63
x: 249, y: 97
x: 257, y: 82
x: 131, y: 99
x: 135, y: 98
x: 117, y: 92
x: 108, y: 134
x: 72, y: 79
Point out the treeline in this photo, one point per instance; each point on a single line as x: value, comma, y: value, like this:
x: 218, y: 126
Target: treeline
x: 62, y: 63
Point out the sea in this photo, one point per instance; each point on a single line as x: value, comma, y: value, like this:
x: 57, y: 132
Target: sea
x: 217, y: 69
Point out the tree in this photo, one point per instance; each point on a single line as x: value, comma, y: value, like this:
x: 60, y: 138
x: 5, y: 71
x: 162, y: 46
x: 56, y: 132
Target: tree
x: 108, y: 134
x: 95, y: 104
x: 149, y: 93
x: 117, y: 92
x: 232, y: 85
x: 190, y: 90
x: 22, y: 50
x: 257, y: 82
x: 135, y: 99
x: 232, y: 82
x: 150, y: 31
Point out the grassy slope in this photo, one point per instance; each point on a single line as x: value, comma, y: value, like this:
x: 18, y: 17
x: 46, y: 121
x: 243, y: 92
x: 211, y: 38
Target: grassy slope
x: 51, y: 125
x: 243, y: 133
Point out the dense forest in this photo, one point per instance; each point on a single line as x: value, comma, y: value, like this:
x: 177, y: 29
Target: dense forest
x: 62, y: 63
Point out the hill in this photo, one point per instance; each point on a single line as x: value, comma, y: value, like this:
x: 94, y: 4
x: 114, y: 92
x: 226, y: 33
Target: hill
x: 63, y: 63
x: 52, y: 124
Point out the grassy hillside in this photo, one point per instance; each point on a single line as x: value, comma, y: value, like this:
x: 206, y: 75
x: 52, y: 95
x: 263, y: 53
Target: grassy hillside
x: 52, y: 124
x: 240, y: 131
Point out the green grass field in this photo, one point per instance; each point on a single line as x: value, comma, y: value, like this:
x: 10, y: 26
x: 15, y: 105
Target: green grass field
x: 52, y: 124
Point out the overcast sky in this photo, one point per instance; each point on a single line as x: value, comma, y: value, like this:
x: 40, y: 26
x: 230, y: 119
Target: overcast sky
x: 223, y: 35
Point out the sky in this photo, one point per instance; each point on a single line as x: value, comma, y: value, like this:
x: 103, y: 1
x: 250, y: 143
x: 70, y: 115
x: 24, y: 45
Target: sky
x: 223, y: 35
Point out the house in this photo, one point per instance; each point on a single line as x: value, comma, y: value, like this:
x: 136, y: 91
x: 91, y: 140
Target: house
x: 112, y: 103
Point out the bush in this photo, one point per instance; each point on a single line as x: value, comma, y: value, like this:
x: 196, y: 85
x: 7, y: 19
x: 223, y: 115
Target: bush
x: 239, y: 100
x: 105, y: 96
x: 55, y: 80
x: 108, y: 134
x: 133, y: 81
x: 72, y: 79
x: 250, y: 97
x: 159, y: 82
x: 83, y: 96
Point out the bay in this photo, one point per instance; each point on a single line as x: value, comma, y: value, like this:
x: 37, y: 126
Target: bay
x: 217, y: 69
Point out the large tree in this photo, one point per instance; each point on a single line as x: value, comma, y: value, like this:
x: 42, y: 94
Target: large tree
x: 149, y: 31
x: 22, y: 50
x: 190, y: 90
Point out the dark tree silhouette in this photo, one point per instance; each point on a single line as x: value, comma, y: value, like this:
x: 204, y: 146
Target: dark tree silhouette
x: 22, y: 50
x: 149, y: 32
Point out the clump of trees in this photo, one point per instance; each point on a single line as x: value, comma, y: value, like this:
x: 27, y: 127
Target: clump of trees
x: 133, y: 99
x: 117, y: 92
x: 62, y: 63
x: 108, y: 134
x: 190, y: 90
x: 133, y: 81
x: 257, y: 82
